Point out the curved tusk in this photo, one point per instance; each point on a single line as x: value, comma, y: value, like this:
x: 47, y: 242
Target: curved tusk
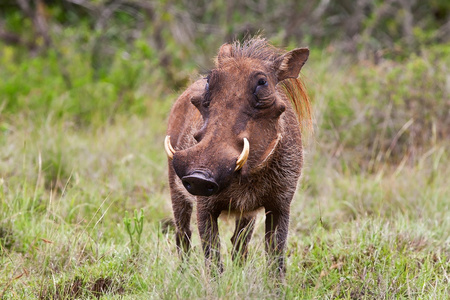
x: 243, y: 156
x: 168, y: 147
x: 273, y: 146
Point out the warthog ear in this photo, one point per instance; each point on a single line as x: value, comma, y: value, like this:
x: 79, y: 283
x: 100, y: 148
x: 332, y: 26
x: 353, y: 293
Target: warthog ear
x: 289, y: 65
x: 225, y: 51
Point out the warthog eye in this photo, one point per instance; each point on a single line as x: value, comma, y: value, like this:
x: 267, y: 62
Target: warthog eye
x: 206, y: 95
x: 260, y: 88
x: 263, y: 94
x: 207, y: 82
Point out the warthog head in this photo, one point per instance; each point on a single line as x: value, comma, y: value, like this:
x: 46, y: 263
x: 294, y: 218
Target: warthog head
x: 240, y: 104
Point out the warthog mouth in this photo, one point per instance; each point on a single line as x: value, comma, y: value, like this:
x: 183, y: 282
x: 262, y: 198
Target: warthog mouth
x: 240, y: 162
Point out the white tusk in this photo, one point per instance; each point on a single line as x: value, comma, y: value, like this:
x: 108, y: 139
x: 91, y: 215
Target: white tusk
x: 273, y: 146
x: 168, y: 147
x: 243, y: 156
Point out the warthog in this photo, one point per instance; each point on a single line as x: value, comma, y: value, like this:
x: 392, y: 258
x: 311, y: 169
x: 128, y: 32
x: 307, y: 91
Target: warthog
x: 234, y: 145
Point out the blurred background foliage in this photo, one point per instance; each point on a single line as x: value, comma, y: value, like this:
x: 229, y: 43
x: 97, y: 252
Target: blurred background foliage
x: 385, y: 64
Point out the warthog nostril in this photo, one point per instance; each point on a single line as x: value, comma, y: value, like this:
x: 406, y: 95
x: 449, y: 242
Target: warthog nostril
x: 200, y: 184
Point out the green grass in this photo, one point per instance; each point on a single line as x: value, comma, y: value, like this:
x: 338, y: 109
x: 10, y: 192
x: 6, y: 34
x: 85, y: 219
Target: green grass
x: 370, y: 220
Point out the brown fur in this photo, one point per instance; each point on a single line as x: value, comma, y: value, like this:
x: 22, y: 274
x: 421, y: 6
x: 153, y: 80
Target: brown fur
x: 234, y: 105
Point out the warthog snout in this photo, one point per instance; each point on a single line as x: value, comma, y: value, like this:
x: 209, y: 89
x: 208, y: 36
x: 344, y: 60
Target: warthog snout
x: 200, y: 183
x: 202, y: 176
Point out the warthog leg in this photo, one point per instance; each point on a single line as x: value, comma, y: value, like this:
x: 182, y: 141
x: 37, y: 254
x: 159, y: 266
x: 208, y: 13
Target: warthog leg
x: 241, y: 237
x: 209, y: 234
x: 277, y: 224
x: 182, y: 211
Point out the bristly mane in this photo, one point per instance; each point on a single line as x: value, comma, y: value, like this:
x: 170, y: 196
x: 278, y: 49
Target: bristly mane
x: 294, y: 88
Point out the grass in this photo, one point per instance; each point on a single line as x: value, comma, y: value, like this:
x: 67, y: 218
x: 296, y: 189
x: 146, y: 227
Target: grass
x: 370, y: 220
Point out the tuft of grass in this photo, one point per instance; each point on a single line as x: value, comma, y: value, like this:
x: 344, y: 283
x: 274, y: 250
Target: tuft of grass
x: 135, y: 228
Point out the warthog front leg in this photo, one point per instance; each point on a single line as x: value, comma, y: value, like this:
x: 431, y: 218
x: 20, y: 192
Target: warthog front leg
x: 241, y: 237
x: 277, y: 225
x: 209, y: 234
x: 182, y: 211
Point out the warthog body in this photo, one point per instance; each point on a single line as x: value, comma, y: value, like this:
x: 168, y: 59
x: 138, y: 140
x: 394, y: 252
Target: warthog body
x: 234, y: 146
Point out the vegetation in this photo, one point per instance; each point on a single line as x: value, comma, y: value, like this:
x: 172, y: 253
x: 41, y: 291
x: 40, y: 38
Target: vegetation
x: 83, y: 192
